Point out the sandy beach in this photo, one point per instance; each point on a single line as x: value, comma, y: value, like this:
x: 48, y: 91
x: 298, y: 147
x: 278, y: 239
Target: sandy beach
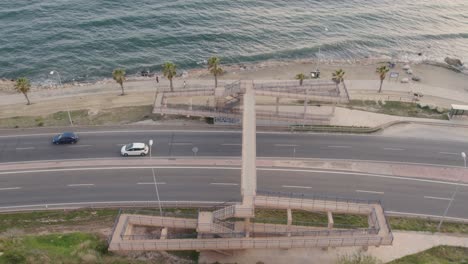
x: 440, y: 85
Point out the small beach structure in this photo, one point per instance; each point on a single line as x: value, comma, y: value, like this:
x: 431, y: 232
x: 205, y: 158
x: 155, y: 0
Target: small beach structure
x: 458, y: 110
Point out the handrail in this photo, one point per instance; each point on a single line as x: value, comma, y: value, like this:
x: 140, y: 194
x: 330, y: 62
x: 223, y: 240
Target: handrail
x: 315, y: 197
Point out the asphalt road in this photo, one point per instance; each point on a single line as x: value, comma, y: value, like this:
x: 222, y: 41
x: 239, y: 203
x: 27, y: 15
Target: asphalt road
x: 104, y: 144
x: 222, y: 184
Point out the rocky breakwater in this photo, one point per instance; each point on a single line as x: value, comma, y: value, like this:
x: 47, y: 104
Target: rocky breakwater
x: 7, y: 86
x: 455, y: 63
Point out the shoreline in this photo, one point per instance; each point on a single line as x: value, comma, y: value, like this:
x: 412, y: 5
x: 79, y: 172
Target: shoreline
x: 357, y: 69
x: 202, y: 72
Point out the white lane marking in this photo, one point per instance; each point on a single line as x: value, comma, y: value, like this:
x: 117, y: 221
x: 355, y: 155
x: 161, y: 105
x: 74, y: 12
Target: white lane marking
x: 450, y: 153
x: 297, y: 187
x: 80, y: 184
x: 25, y: 148
x: 120, y: 145
x: 285, y: 145
x: 80, y: 146
x: 224, y: 183
x: 364, y: 191
x: 150, y: 183
x: 10, y: 188
x: 231, y: 144
x: 237, y: 168
x: 181, y: 144
x: 437, y: 198
x: 393, y: 149
x: 339, y: 146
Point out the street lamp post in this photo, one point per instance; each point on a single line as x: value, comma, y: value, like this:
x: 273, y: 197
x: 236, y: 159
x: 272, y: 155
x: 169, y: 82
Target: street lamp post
x: 154, y: 178
x: 61, y: 90
x: 463, y: 154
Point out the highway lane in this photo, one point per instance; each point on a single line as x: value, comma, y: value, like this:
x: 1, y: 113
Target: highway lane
x: 104, y: 144
x: 222, y: 184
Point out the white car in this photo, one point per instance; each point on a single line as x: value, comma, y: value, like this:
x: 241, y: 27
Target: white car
x: 134, y: 149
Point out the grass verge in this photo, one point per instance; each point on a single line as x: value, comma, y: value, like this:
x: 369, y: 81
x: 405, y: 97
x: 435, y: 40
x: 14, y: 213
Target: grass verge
x: 417, y: 224
x: 111, y: 116
x: 398, y: 108
x: 436, y: 255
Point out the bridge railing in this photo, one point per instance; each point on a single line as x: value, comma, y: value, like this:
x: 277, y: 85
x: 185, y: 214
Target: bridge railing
x: 248, y: 243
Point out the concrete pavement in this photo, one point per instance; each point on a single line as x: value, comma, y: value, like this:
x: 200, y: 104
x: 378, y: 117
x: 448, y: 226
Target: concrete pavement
x: 104, y: 144
x: 222, y: 184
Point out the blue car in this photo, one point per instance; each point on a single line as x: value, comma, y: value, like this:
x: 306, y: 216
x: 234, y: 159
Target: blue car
x: 65, y: 138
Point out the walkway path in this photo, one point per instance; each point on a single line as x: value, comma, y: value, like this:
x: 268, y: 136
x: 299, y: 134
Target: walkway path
x: 404, y: 243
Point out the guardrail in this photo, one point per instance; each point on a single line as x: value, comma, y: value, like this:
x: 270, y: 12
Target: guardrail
x: 101, y: 205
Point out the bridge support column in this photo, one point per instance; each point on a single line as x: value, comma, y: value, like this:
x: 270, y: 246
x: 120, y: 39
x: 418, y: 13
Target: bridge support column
x: 330, y: 219
x: 247, y: 228
x: 163, y: 233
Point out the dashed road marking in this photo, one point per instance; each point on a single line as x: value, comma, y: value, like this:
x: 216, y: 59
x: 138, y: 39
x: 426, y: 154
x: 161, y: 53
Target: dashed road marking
x: 25, y: 148
x: 285, y: 145
x: 339, y: 146
x: 364, y: 191
x: 449, y: 153
x: 150, y: 183
x: 10, y: 188
x: 393, y: 149
x: 80, y: 185
x: 437, y: 198
x: 297, y: 187
x: 224, y: 183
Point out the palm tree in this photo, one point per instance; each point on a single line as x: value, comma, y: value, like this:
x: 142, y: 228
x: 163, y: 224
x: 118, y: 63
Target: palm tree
x: 170, y: 71
x: 23, y: 86
x: 300, y: 77
x: 338, y: 77
x: 382, y: 71
x: 213, y: 66
x: 119, y: 76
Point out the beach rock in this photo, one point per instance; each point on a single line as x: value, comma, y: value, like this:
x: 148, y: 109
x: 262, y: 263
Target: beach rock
x: 409, y: 71
x: 453, y: 62
x: 405, y: 80
x: 416, y: 78
x: 406, y: 67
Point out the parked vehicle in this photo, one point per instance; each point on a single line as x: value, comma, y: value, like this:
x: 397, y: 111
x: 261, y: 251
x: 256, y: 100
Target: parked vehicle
x: 134, y: 149
x: 65, y: 138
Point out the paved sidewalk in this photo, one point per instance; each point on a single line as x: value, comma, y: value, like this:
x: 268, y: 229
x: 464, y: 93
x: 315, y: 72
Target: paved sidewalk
x: 405, y: 243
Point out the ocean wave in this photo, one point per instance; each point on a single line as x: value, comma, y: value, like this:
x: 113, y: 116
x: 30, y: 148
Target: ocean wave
x: 86, y: 40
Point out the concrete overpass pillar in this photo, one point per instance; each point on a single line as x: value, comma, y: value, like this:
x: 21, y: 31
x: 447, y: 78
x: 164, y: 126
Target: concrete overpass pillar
x: 249, y: 148
x: 289, y: 223
x: 330, y: 219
